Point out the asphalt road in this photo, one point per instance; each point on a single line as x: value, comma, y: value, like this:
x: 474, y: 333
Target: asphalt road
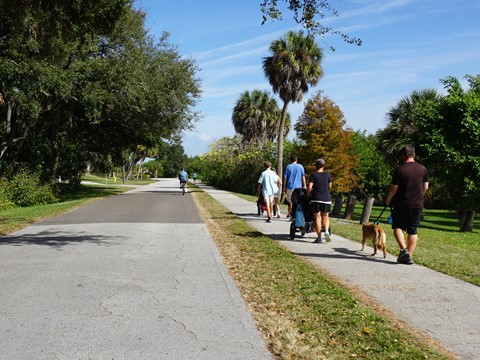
x: 134, y: 276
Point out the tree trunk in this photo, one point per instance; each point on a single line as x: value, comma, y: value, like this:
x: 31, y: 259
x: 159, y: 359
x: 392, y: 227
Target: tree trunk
x: 367, y: 210
x: 280, y: 140
x: 350, y: 207
x: 466, y: 220
x: 280, y: 145
x: 337, y: 207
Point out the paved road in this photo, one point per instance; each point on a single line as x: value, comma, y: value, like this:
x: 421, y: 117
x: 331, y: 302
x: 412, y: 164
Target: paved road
x: 442, y: 307
x: 135, y: 276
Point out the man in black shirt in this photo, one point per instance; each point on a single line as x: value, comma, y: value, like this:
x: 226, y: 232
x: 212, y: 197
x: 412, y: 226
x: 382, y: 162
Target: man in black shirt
x: 406, y: 197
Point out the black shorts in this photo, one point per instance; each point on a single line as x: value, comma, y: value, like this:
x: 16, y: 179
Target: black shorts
x: 406, y: 219
x: 320, y: 207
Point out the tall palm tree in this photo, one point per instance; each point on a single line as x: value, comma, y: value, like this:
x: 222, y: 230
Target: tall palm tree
x: 293, y: 66
x: 401, y: 129
x: 256, y: 116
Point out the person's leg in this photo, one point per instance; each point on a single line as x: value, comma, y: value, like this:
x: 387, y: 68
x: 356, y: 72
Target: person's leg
x: 318, y: 223
x: 268, y: 205
x: 326, y: 225
x: 411, y: 243
x: 325, y: 220
x: 276, y: 204
x: 413, y: 223
x: 288, y: 197
x: 399, y: 237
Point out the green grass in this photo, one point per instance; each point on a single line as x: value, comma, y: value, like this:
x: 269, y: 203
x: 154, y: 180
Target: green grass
x: 110, y: 181
x: 303, y: 313
x: 440, y: 246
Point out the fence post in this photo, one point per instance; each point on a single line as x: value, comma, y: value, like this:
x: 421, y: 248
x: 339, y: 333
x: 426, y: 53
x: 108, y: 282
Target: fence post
x: 350, y: 207
x: 337, y: 207
x: 367, y: 210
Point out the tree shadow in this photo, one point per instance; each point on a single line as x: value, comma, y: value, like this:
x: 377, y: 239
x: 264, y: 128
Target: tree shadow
x: 57, y: 239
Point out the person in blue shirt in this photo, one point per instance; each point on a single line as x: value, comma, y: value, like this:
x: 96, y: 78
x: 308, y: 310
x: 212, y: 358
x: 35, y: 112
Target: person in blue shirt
x: 267, y: 183
x: 293, y: 178
x: 183, y: 177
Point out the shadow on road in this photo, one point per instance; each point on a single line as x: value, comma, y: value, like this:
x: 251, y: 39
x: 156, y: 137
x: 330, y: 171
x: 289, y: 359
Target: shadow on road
x: 57, y: 239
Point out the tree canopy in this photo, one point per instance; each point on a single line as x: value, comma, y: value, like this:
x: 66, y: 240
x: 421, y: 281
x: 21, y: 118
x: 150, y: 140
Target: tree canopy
x: 82, y: 81
x: 322, y: 129
x: 450, y: 134
x: 256, y: 116
x: 309, y: 13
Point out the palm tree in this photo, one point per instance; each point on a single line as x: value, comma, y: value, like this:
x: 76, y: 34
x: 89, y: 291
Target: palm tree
x: 401, y: 129
x: 256, y: 116
x: 293, y: 66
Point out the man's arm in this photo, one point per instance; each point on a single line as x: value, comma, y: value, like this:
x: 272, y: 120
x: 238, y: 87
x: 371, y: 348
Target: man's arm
x: 425, y: 187
x: 391, y: 193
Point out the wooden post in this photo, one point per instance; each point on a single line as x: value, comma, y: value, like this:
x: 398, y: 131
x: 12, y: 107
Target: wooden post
x: 367, y: 210
x: 350, y: 207
x: 337, y: 207
x: 466, y: 220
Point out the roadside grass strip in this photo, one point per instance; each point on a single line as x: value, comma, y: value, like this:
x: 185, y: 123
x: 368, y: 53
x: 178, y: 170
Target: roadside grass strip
x: 302, y: 312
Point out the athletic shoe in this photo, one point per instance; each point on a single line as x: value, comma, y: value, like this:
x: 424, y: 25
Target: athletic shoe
x: 268, y: 220
x: 328, y: 237
x: 404, y: 257
x: 278, y: 216
x: 318, y: 240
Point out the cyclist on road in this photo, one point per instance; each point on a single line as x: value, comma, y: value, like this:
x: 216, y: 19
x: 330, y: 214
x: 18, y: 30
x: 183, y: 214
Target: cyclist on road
x: 194, y: 178
x: 183, y: 177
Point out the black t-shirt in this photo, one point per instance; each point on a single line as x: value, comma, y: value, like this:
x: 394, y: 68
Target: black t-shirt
x: 320, y: 191
x: 410, y: 177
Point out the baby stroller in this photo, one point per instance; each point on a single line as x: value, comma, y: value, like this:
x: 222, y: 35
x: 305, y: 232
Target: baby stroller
x: 261, y: 206
x: 302, y: 214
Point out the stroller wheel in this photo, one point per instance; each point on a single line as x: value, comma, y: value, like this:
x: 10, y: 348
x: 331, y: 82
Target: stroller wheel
x: 292, y: 231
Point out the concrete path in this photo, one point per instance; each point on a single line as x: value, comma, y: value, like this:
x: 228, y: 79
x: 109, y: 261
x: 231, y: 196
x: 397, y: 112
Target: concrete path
x: 134, y: 276
x: 442, y: 307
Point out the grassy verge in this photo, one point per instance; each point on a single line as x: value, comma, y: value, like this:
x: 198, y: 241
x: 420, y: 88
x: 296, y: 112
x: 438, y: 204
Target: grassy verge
x: 303, y: 313
x: 17, y: 218
x: 110, y: 181
x: 441, y: 247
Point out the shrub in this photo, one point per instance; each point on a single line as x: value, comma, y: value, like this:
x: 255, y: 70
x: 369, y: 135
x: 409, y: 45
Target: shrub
x: 25, y: 189
x: 5, y: 202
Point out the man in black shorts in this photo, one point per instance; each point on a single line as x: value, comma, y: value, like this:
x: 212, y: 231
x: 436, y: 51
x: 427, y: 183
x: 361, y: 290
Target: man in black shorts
x: 406, y: 197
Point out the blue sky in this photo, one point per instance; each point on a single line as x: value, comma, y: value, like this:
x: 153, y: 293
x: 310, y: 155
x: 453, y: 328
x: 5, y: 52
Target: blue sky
x: 407, y: 45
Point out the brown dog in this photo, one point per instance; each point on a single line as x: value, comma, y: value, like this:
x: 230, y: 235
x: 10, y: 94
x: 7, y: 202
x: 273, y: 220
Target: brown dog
x: 377, y: 234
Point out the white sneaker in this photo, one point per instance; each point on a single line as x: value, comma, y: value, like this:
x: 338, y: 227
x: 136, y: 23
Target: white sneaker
x: 328, y: 237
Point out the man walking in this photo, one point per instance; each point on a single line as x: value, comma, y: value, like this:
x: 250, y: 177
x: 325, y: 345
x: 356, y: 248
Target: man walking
x: 183, y: 177
x: 267, y: 184
x: 406, y: 197
x: 294, y: 178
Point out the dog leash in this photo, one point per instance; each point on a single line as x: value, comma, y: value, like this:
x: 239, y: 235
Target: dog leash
x: 376, y: 222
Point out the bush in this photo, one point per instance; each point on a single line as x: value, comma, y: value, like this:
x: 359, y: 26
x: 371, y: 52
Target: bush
x: 5, y: 202
x: 26, y: 190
